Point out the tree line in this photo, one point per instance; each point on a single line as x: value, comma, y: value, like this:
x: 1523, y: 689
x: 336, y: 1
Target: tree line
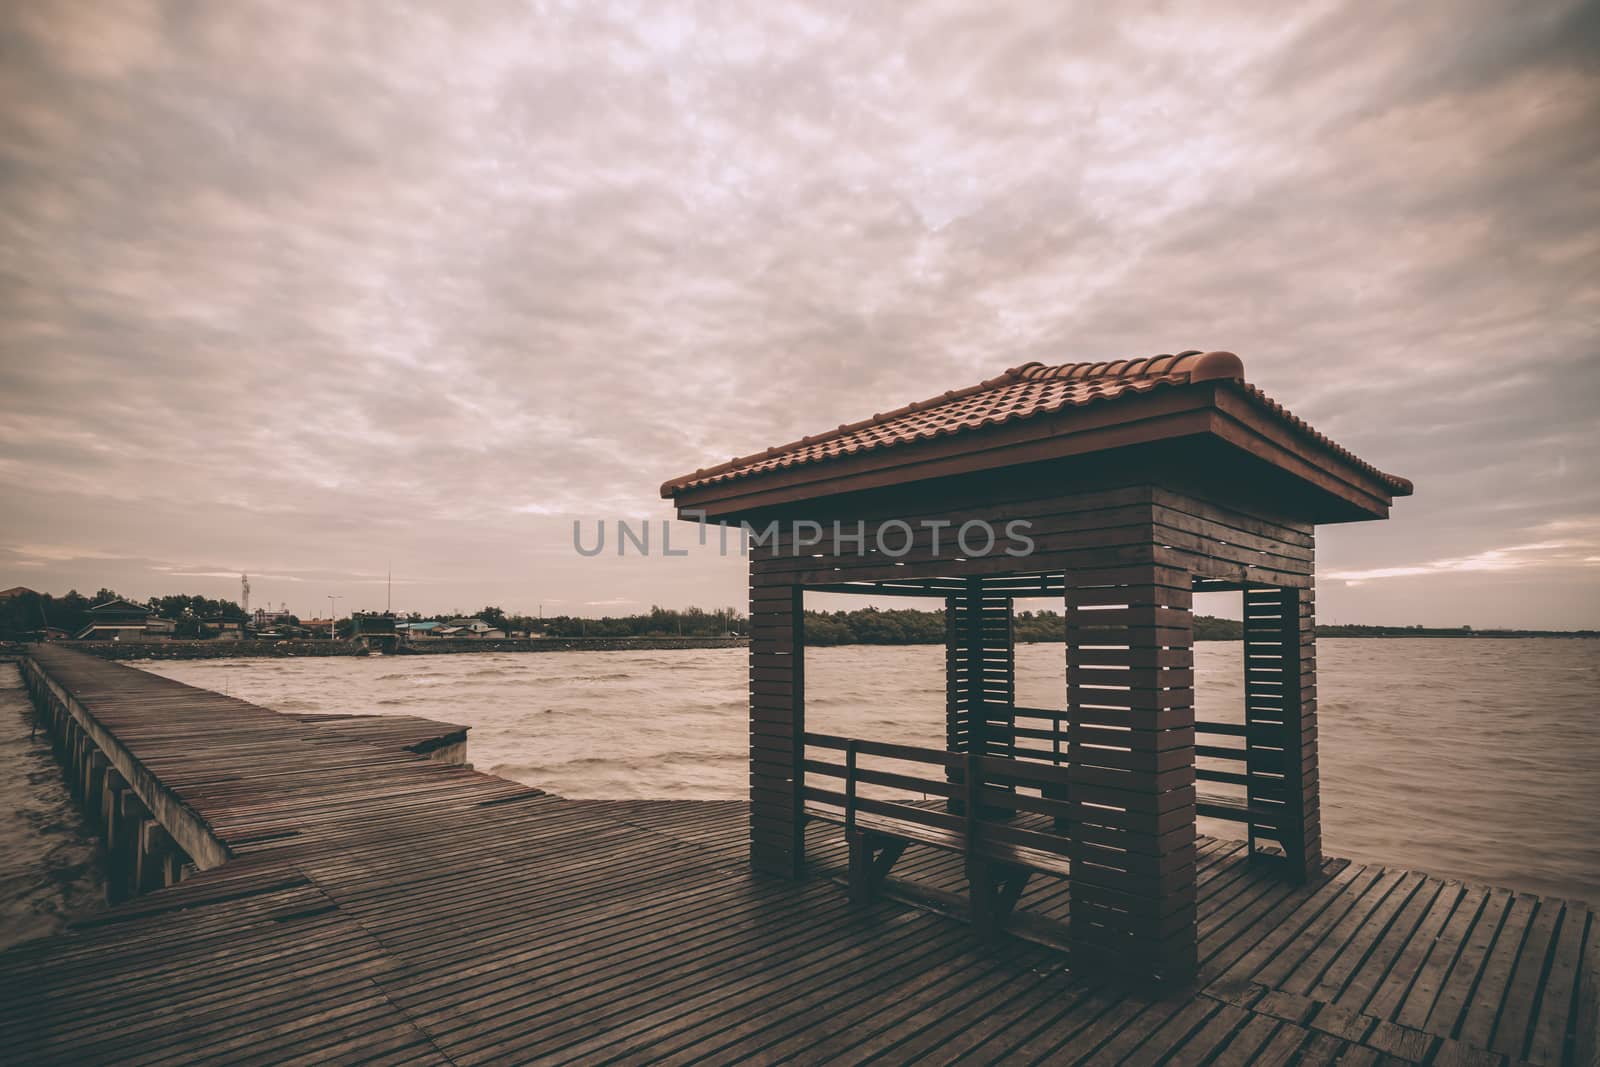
x: 657, y: 622
x: 29, y: 612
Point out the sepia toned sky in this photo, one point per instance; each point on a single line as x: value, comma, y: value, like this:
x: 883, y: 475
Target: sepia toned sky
x: 315, y: 290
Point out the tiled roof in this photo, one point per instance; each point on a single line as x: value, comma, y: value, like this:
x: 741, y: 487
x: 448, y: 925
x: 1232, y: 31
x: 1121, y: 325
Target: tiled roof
x: 1023, y: 392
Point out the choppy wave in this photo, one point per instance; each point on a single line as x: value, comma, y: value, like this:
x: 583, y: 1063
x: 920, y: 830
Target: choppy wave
x: 49, y: 858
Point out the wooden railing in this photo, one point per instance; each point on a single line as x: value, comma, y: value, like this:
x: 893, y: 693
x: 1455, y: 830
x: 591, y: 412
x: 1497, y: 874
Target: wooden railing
x: 1262, y: 765
x: 1039, y: 768
x: 988, y: 791
x: 992, y: 805
x: 1216, y: 806
x: 1049, y: 726
x: 1055, y: 734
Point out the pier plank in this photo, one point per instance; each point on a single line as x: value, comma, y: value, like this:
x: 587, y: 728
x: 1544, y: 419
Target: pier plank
x: 1477, y: 1024
x: 1527, y: 980
x: 1407, y: 975
x: 1557, y: 1012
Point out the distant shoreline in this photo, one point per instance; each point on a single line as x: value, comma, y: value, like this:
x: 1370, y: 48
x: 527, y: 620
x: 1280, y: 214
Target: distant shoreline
x: 312, y: 649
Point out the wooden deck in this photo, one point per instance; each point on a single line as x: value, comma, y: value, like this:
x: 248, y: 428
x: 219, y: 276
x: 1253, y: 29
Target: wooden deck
x: 381, y: 907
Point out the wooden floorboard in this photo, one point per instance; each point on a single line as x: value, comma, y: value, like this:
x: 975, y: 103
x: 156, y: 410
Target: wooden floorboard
x: 380, y: 907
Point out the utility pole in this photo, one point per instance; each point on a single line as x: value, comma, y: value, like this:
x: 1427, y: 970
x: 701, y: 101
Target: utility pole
x: 333, y: 614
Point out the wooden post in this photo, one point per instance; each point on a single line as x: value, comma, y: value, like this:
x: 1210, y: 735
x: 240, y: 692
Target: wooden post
x: 111, y: 786
x: 980, y: 879
x: 850, y: 785
x: 94, y: 781
x: 156, y: 848
x: 956, y: 724
x: 777, y: 729
x: 1281, y: 724
x: 1131, y: 757
x: 72, y: 759
x: 973, y: 782
x: 126, y: 841
x: 860, y: 849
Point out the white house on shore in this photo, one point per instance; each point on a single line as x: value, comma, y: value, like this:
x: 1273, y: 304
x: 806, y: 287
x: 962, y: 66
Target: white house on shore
x: 454, y: 628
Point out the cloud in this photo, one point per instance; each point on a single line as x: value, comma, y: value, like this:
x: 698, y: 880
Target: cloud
x: 1578, y: 537
x: 230, y: 575
x: 311, y: 287
x: 1511, y: 558
x: 38, y: 554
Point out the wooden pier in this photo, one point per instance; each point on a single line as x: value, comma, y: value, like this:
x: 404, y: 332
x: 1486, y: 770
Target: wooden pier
x: 338, y: 896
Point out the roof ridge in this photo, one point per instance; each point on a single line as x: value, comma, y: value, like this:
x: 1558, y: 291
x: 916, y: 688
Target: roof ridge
x: 1199, y: 366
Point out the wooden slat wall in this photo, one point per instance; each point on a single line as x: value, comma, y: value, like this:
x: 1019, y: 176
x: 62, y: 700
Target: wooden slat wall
x: 1229, y: 541
x: 980, y: 674
x: 777, y: 730
x: 1281, y: 720
x: 1130, y: 702
x: 1071, y: 531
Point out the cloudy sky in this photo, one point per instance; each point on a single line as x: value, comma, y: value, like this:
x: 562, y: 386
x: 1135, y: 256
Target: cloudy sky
x: 309, y: 290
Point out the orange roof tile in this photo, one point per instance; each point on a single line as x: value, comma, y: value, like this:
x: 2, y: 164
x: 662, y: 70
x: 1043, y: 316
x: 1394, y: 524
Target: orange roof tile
x: 1023, y: 392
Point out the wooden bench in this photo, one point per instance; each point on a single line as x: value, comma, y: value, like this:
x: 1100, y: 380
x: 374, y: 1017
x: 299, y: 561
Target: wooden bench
x: 985, y: 791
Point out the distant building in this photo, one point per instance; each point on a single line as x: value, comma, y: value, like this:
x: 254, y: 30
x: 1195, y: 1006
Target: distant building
x: 16, y: 591
x: 267, y: 619
x: 456, y: 628
x: 223, y: 629
x: 123, y: 620
x: 475, y: 628
x: 429, y: 628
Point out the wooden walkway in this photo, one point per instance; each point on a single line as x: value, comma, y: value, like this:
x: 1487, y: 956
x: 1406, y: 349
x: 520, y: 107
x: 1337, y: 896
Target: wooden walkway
x: 379, y: 907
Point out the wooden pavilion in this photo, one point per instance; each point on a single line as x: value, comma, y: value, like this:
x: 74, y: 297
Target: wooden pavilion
x: 1122, y: 488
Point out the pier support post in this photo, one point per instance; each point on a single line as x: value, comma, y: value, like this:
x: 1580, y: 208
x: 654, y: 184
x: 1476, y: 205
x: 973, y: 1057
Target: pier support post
x: 777, y: 729
x: 77, y: 752
x: 62, y: 736
x: 124, y: 846
x: 94, y: 781
x: 112, y: 785
x: 156, y: 853
x: 1130, y: 706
